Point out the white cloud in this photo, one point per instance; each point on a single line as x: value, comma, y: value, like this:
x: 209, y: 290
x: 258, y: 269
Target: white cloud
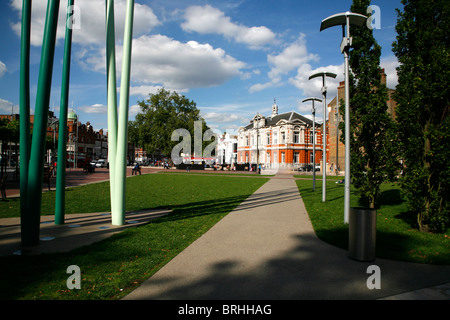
x: 313, y: 87
x: 292, y: 57
x: 160, y: 60
x: 260, y: 86
x: 390, y: 64
x: 220, y: 117
x: 95, y: 108
x: 91, y: 21
x: 6, y: 107
x: 2, y: 69
x: 134, y: 110
x: 143, y: 90
x: 209, y: 20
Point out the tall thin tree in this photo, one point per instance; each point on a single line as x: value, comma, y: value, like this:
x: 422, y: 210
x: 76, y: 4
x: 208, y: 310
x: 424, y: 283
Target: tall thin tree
x: 423, y: 96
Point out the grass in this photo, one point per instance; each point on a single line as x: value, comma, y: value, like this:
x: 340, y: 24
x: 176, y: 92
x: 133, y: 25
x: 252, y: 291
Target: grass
x: 397, y: 235
x: 114, y: 267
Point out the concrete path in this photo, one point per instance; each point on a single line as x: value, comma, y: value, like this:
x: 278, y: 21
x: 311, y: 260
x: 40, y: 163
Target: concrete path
x: 267, y: 249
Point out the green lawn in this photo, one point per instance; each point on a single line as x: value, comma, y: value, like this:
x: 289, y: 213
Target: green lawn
x: 113, y: 267
x: 397, y: 235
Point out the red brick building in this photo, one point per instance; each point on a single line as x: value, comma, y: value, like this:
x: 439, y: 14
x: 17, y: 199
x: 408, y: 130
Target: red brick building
x: 280, y: 141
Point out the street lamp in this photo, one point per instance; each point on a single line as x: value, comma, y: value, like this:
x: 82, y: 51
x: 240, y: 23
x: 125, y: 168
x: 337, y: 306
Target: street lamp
x: 324, y: 75
x: 345, y: 20
x: 313, y: 111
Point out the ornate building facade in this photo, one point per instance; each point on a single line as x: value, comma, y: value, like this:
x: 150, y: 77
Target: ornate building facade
x: 280, y: 141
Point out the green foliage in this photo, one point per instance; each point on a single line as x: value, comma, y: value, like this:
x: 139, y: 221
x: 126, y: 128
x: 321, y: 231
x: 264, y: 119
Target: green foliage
x: 372, y: 150
x: 422, y: 48
x: 160, y: 115
x: 396, y: 239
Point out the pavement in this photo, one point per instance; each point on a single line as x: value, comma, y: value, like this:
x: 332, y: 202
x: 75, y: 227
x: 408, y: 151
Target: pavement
x: 265, y: 249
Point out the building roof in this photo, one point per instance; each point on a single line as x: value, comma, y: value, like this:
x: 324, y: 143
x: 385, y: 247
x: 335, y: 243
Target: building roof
x: 288, y: 117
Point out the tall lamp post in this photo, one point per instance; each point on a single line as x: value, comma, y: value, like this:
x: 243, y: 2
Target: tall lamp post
x: 324, y: 75
x: 313, y: 111
x: 345, y: 20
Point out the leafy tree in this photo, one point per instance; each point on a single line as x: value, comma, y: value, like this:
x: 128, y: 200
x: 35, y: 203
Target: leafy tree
x: 423, y: 50
x: 160, y: 115
x: 372, y: 153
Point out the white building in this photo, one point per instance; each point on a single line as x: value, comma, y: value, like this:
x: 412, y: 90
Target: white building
x: 227, y: 149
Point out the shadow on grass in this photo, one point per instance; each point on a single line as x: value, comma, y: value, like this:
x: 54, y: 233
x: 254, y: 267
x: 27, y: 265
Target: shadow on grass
x: 226, y: 205
x: 154, y: 244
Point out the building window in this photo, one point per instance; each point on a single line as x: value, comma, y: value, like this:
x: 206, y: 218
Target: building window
x: 283, y: 137
x: 296, y: 157
x: 296, y: 137
x: 283, y: 157
x: 268, y: 137
x: 268, y: 157
x: 275, y: 138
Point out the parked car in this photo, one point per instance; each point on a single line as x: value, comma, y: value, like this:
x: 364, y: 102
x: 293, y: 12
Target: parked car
x: 93, y: 163
x: 101, y: 163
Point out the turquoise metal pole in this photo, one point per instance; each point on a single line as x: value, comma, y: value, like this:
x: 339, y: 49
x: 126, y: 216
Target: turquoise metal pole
x: 62, y: 137
x: 35, y: 170
x: 112, y: 97
x: 25, y: 223
x: 118, y: 217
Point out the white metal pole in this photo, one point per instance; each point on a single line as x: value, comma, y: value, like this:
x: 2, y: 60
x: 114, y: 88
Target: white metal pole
x: 324, y: 142
x: 347, y: 129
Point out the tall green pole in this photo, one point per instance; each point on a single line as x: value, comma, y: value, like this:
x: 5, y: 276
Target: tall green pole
x: 62, y: 138
x: 26, y: 224
x: 112, y: 97
x: 118, y: 217
x: 35, y: 170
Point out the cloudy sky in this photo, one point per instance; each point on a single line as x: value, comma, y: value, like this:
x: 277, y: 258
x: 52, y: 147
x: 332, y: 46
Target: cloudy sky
x: 232, y: 57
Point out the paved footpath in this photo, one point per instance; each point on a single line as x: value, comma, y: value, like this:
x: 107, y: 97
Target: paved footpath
x: 266, y: 249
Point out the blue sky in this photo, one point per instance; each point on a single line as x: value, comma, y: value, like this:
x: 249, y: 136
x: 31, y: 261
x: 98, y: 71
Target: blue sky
x: 233, y: 58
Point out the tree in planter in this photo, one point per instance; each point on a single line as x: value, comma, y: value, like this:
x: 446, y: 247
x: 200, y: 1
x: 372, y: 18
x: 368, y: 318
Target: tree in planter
x: 372, y: 148
x: 423, y: 99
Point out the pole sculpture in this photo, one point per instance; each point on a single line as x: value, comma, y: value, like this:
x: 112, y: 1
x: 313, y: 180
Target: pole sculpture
x: 117, y: 128
x: 324, y: 129
x: 62, y: 140
x: 26, y: 221
x: 31, y: 205
x: 345, y: 19
x: 313, y: 111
